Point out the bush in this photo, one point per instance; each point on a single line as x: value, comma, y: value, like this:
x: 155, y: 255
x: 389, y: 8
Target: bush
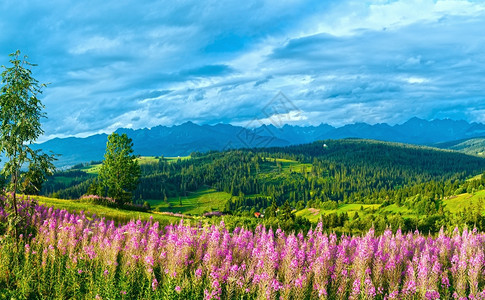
x: 95, y: 199
x: 213, y: 214
x: 110, y: 202
x: 329, y: 205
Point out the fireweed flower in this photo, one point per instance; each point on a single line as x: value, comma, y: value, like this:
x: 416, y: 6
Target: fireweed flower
x: 355, y: 288
x: 303, y: 265
x: 154, y: 284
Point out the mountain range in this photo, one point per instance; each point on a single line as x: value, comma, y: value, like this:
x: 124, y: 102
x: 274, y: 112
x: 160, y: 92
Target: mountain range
x: 181, y: 140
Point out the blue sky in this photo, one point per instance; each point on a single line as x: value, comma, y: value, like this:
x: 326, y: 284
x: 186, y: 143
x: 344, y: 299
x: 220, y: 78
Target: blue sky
x: 131, y: 63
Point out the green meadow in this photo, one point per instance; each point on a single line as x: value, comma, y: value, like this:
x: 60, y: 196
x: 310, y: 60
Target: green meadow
x: 118, y: 215
x: 313, y: 214
x: 176, y: 158
x: 453, y: 204
x: 94, y: 168
x: 467, y: 201
x: 91, y: 169
x: 195, y: 203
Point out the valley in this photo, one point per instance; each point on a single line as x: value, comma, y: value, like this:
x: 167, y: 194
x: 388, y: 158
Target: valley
x: 351, y: 183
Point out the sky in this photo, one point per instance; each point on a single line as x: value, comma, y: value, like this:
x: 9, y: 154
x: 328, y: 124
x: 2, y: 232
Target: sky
x: 137, y: 64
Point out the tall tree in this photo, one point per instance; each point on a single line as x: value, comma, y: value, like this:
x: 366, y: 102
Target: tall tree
x: 270, y: 211
x: 286, y: 212
x: 120, y: 171
x: 20, y: 126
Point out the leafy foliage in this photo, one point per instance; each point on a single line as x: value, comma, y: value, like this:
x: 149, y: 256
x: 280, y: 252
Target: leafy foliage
x: 20, y: 126
x: 120, y: 171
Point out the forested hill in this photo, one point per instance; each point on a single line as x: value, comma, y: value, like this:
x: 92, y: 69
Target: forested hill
x: 473, y: 146
x: 309, y: 175
x: 383, y: 155
x: 188, y: 137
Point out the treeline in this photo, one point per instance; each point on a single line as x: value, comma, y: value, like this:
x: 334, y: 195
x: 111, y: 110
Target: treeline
x: 341, y: 171
x: 379, y: 220
x: 69, y: 184
x: 346, y: 171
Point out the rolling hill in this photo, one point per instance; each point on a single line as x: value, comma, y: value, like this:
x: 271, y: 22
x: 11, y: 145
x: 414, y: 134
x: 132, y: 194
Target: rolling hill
x: 350, y: 170
x: 350, y: 184
x: 473, y: 146
x: 181, y: 140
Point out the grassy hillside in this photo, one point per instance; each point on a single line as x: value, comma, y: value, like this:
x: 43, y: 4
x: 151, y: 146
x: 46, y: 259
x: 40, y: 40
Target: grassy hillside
x: 195, y: 203
x: 453, y: 204
x: 118, y: 215
x: 351, y: 183
x: 90, y: 169
x: 474, y: 146
x: 314, y: 214
x: 176, y: 158
x: 464, y: 201
x: 142, y: 160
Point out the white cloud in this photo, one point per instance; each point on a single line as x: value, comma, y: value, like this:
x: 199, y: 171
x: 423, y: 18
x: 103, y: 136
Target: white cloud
x: 459, y: 7
x: 284, y: 118
x: 95, y: 43
x: 350, y: 17
x: 416, y: 80
x: 338, y: 61
x: 477, y: 114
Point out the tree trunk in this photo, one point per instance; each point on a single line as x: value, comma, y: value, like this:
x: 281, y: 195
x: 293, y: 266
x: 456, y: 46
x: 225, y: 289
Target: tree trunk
x: 14, y: 201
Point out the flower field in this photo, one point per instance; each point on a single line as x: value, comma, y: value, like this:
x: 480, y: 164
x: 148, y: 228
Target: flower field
x: 70, y: 256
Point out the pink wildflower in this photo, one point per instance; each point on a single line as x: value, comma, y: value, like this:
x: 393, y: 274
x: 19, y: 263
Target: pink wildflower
x: 154, y: 284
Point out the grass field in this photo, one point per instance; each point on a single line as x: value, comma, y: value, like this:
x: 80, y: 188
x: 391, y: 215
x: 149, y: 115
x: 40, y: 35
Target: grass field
x: 460, y: 202
x: 91, y: 169
x: 477, y: 177
x: 314, y: 214
x: 174, y: 159
x: 94, y: 169
x: 147, y: 160
x: 403, y: 210
x: 118, y: 215
x: 286, y: 165
x: 195, y: 203
x: 207, y: 199
x: 272, y: 173
x: 453, y: 204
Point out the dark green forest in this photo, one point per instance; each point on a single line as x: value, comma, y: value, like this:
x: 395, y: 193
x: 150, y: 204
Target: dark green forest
x: 320, y: 175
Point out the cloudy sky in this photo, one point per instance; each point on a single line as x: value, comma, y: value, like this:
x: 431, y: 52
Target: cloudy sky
x: 132, y: 63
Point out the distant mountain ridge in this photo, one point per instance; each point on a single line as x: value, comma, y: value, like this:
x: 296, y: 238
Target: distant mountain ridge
x: 181, y: 140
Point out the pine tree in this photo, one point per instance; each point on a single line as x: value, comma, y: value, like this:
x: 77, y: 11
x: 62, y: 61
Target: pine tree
x: 286, y: 213
x: 270, y: 212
